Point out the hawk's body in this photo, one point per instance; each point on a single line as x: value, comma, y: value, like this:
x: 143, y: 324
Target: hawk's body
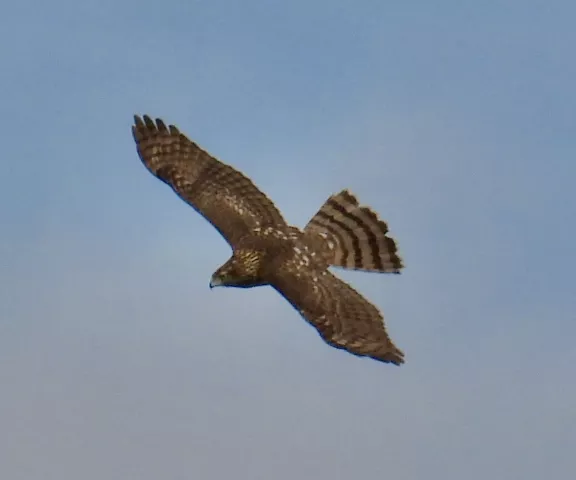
x: 268, y: 251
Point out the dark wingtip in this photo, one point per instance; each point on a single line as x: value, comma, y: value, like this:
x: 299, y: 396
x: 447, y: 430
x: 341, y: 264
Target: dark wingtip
x: 149, y: 122
x: 161, y: 125
x: 145, y: 122
x: 138, y: 121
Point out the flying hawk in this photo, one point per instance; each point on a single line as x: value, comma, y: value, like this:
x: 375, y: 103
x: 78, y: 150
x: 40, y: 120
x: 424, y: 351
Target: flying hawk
x: 268, y: 251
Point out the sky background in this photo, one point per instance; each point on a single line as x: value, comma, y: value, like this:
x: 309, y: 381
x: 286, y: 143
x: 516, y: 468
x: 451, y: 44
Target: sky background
x: 454, y: 120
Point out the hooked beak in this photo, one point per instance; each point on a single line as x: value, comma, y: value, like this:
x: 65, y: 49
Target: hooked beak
x: 215, y: 281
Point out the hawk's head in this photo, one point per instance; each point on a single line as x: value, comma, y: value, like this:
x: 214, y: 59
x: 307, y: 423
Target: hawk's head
x: 242, y: 270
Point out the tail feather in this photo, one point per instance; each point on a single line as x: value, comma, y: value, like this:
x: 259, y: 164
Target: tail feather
x: 353, y: 236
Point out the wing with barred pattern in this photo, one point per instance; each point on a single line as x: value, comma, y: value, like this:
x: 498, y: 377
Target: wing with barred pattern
x: 223, y: 195
x: 343, y: 318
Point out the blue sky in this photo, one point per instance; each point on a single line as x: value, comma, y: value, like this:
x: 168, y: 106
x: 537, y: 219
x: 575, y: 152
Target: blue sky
x: 455, y: 121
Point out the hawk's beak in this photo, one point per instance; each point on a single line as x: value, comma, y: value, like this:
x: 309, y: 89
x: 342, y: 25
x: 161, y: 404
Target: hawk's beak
x: 215, y: 281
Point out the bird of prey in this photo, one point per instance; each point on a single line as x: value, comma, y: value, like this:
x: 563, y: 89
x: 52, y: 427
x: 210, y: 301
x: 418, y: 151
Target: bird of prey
x: 268, y: 251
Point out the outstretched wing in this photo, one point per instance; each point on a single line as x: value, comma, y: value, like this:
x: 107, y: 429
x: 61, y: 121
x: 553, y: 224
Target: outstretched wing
x: 343, y: 318
x: 224, y: 196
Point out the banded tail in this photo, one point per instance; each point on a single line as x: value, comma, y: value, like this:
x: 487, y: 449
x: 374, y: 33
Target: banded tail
x: 353, y: 236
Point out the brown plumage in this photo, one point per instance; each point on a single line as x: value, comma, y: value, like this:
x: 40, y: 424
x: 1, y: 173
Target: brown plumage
x: 356, y: 237
x: 268, y: 251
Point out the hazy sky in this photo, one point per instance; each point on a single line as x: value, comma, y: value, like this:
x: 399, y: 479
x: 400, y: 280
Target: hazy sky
x: 454, y: 120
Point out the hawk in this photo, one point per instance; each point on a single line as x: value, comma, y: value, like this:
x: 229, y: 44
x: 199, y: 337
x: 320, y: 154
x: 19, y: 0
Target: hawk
x: 268, y: 251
